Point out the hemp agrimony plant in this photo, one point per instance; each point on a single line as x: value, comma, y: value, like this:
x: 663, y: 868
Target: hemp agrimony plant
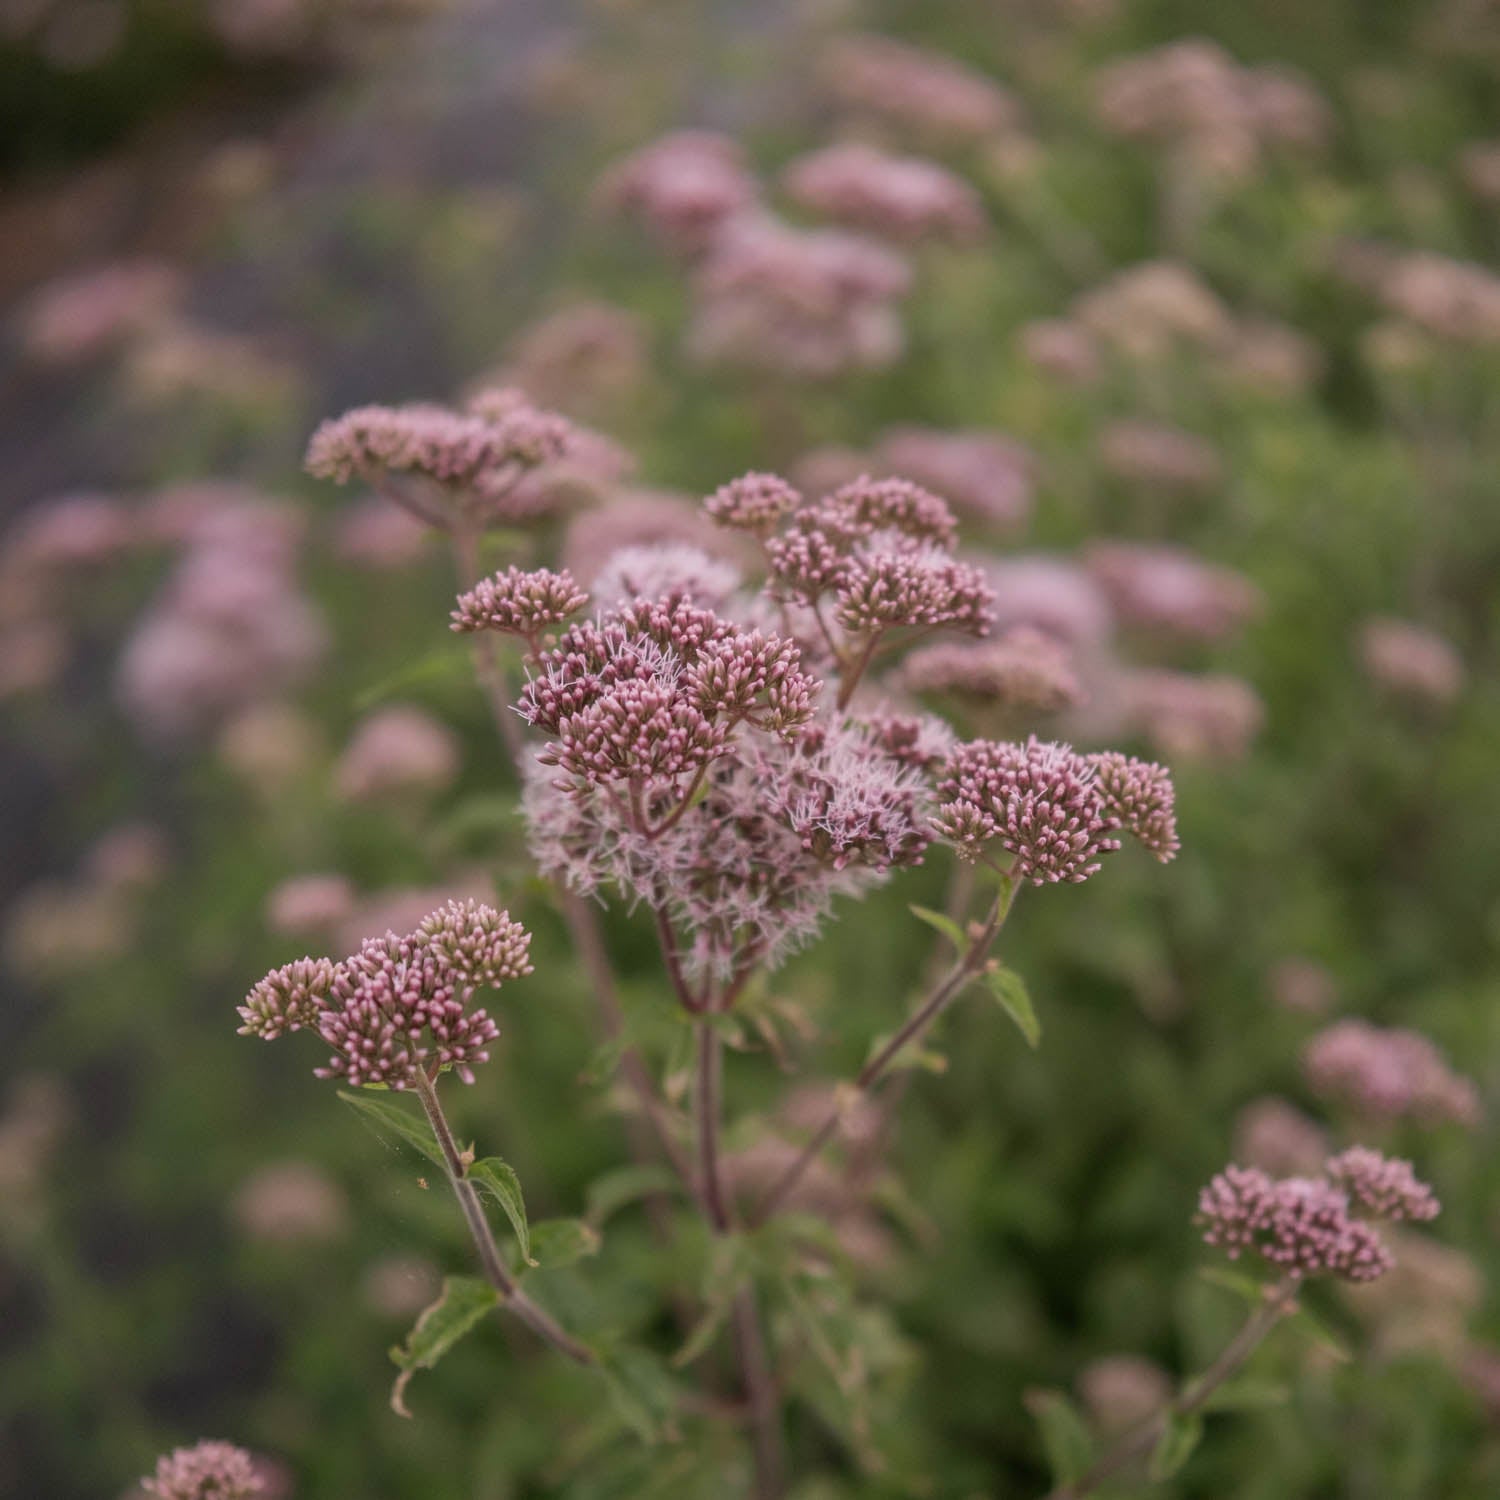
x: 715, y: 752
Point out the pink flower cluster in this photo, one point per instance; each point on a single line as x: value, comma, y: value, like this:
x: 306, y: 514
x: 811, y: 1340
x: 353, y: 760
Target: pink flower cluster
x: 1388, y: 1074
x: 516, y: 602
x: 987, y: 475
x: 231, y: 628
x: 474, y: 459
x: 206, y: 1471
x: 1056, y: 812
x: 1410, y: 660
x: 936, y: 96
x: 903, y: 198
x: 685, y: 187
x: 811, y: 304
x: 1168, y: 590
x: 750, y: 867
x: 1308, y: 1226
x: 400, y: 1003
x: 880, y: 551
x: 1386, y: 1186
x: 657, y: 689
x: 1193, y: 97
x: 1024, y: 669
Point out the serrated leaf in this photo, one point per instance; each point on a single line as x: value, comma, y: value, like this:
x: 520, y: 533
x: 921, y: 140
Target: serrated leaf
x: 464, y: 1301
x: 560, y: 1242
x: 945, y: 925
x: 384, y: 1117
x: 1010, y: 990
x: 611, y: 1192
x: 641, y: 1390
x: 1175, y: 1446
x: 1065, y: 1435
x: 498, y: 1178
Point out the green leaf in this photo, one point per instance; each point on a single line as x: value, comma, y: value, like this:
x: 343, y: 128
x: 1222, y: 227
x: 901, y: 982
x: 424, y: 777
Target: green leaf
x: 1010, y: 990
x: 1065, y: 1435
x: 1248, y: 1394
x: 945, y: 925
x: 641, y: 1390
x: 560, y: 1242
x: 386, y: 1117
x: 464, y: 1301
x: 498, y: 1178
x: 611, y: 1192
x: 1175, y: 1446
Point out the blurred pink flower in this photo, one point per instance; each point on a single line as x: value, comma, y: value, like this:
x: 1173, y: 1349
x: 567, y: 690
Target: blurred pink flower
x: 1410, y: 660
x: 394, y: 751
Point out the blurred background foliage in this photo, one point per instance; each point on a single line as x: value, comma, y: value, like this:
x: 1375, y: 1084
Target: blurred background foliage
x: 354, y: 203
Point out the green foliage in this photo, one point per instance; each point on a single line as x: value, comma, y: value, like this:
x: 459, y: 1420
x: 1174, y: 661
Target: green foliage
x: 465, y: 1300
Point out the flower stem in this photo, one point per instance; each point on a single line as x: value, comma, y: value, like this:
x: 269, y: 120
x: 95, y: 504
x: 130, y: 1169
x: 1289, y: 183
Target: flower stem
x: 534, y: 1317
x: 1280, y: 1301
x: 756, y: 1374
x: 968, y: 964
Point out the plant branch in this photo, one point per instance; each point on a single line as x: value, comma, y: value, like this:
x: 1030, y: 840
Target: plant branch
x: 456, y: 1162
x: 1280, y: 1301
x: 967, y: 966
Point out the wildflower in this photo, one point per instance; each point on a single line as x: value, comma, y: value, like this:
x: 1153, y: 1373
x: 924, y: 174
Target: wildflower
x: 1140, y: 799
x: 71, y: 531
x: 288, y: 999
x: 935, y: 95
x: 580, y: 359
x: 902, y: 197
x: 1385, y: 1186
x: 309, y: 903
x: 811, y: 304
x: 89, y: 313
x: 1454, y: 300
x: 1302, y: 1225
x: 400, y: 1003
x: 1053, y: 594
x: 1388, y: 1074
x: 1162, y: 457
x: 985, y: 474
x: 395, y: 750
x: 685, y: 187
x: 519, y: 603
x: 206, y: 1471
x: 1150, y: 311
x: 751, y: 867
x: 1410, y: 660
x: 637, y: 518
x: 1201, y: 717
x: 290, y: 1202
x: 1278, y: 1138
x: 1039, y: 801
x: 756, y: 503
x: 1022, y: 669
x: 656, y: 690
x: 1062, y: 349
x: 656, y: 569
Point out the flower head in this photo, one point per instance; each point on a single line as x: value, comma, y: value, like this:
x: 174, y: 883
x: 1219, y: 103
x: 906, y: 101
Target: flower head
x: 1302, y: 1225
x: 1039, y: 801
x: 519, y: 603
x: 206, y: 1471
x: 1140, y: 798
x: 400, y: 1003
x: 756, y: 503
x: 1384, y: 1186
x: 288, y: 998
x: 1388, y: 1074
